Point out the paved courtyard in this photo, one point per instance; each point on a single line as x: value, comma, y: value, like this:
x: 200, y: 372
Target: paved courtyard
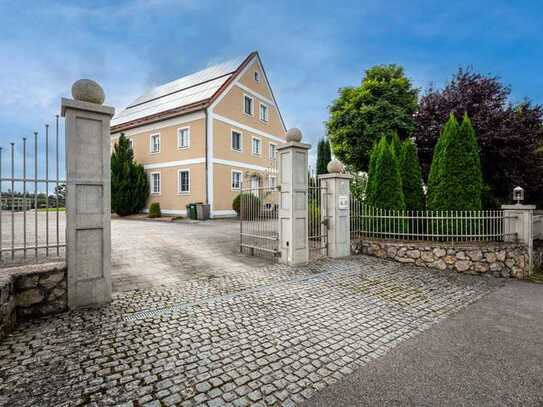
x: 260, y: 336
x: 144, y: 253
x: 153, y: 253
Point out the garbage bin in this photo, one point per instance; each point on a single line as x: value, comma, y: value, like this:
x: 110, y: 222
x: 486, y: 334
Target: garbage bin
x: 202, y: 211
x: 191, y: 211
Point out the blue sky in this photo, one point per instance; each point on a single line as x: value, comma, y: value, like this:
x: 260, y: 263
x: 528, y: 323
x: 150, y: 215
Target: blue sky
x: 309, y: 49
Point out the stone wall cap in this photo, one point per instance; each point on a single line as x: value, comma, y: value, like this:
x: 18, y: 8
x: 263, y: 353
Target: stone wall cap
x: 39, y: 268
x: 86, y: 106
x: 294, y: 144
x: 519, y: 207
x: 335, y: 175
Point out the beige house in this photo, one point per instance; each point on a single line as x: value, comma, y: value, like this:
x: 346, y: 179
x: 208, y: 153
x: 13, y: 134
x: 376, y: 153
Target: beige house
x: 203, y: 135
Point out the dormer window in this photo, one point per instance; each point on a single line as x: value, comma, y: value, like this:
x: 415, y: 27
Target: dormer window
x: 257, y: 76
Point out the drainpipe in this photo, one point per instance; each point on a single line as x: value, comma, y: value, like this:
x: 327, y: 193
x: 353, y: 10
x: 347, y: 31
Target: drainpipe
x: 206, y: 161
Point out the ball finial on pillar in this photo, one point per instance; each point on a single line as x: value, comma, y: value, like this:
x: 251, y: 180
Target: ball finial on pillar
x: 335, y: 167
x: 294, y: 135
x: 87, y: 90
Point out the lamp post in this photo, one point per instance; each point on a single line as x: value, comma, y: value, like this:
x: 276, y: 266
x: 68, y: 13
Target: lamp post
x: 518, y: 195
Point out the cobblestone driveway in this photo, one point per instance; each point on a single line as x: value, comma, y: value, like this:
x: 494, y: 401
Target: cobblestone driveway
x: 270, y: 336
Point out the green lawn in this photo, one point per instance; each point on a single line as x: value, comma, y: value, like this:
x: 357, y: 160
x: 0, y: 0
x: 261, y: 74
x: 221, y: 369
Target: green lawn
x: 51, y: 209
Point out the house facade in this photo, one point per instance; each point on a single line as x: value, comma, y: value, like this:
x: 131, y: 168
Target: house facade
x: 201, y: 136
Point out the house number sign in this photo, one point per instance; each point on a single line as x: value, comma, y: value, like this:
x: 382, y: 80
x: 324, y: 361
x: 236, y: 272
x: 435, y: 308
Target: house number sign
x: 343, y: 202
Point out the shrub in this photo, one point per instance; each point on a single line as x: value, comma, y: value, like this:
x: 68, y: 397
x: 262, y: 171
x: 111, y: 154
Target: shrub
x: 129, y: 184
x: 154, y: 210
x: 411, y: 176
x: 385, y: 187
x: 236, y: 203
x: 251, y: 205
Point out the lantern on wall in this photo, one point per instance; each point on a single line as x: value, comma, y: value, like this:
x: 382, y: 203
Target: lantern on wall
x: 518, y: 195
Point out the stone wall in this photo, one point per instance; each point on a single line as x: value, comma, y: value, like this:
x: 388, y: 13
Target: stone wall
x: 497, y: 259
x: 538, y: 255
x: 7, y: 305
x: 31, y: 291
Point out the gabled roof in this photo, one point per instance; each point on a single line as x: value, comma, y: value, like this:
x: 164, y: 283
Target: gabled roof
x: 189, y: 93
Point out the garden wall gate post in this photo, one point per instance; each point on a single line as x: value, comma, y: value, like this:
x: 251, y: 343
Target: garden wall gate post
x: 337, y: 191
x: 88, y: 195
x: 518, y: 224
x: 293, y: 182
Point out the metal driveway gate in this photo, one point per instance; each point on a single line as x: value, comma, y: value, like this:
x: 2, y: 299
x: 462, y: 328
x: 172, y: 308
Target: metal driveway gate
x: 259, y: 221
x: 32, y: 199
x: 317, y: 219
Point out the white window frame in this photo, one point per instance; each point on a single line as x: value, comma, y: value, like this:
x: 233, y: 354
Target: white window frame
x: 232, y: 131
x: 274, y: 156
x: 266, y: 119
x: 232, y: 172
x: 131, y: 143
x: 179, y: 130
x: 252, y: 105
x: 274, y: 177
x: 151, y: 136
x: 152, y: 183
x: 257, y: 76
x: 253, y: 146
x: 179, y: 171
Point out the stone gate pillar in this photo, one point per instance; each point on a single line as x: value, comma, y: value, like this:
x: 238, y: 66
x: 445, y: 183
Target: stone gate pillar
x: 293, y: 183
x: 88, y: 195
x: 337, y: 195
x: 518, y: 226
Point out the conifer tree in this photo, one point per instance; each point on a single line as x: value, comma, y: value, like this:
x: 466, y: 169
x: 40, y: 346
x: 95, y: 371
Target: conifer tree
x: 129, y: 184
x: 324, y: 156
x: 456, y: 181
x: 411, y: 176
x: 434, y: 199
x: 395, y: 143
x: 386, y: 189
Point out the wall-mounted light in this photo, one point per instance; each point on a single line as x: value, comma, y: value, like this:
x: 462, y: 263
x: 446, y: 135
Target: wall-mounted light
x: 518, y: 194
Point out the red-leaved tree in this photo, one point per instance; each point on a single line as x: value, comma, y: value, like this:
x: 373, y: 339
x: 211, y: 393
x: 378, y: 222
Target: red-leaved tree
x: 510, y: 136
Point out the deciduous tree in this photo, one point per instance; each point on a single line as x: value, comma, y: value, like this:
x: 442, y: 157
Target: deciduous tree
x: 385, y: 102
x: 508, y: 134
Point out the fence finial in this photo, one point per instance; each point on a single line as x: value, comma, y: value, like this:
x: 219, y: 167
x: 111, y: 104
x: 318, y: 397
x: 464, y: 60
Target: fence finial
x: 334, y: 167
x: 87, y: 90
x: 294, y: 135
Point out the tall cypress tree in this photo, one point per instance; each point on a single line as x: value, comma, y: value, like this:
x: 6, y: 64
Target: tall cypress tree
x: 395, y: 143
x: 411, y: 176
x: 370, y: 186
x: 129, y: 184
x: 456, y: 181
x: 324, y: 156
x: 462, y: 170
x: 435, y: 200
x: 386, y: 189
